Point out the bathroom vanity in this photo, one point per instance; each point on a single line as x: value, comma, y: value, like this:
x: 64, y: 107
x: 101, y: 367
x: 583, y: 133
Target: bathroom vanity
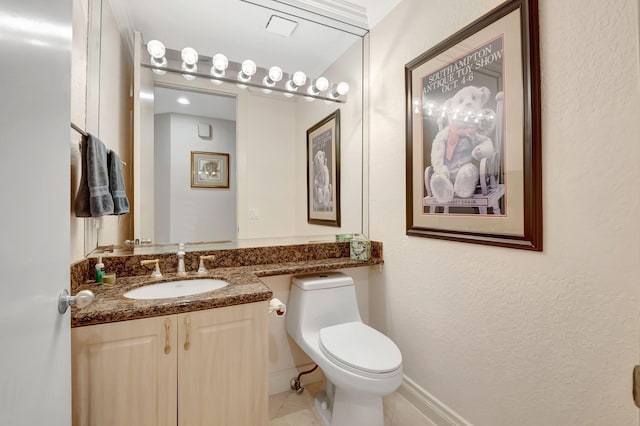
x: 198, y: 359
x: 202, y: 367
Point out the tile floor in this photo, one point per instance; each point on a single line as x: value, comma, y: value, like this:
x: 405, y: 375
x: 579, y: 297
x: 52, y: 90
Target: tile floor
x: 290, y: 409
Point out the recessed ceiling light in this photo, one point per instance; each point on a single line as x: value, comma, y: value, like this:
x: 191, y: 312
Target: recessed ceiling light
x: 281, y: 26
x: 183, y: 101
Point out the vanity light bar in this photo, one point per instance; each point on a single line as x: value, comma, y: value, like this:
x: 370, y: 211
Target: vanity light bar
x: 245, y: 74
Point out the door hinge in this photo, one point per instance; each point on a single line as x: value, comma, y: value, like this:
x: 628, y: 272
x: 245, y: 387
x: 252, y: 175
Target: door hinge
x: 636, y: 385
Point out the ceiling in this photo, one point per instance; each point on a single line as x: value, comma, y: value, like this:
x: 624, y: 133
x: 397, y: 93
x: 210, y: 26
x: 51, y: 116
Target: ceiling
x: 236, y: 28
x: 202, y: 104
x: 326, y: 28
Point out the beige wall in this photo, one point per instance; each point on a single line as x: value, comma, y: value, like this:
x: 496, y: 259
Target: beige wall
x: 100, y: 104
x: 510, y: 337
x: 348, y: 67
x: 78, y: 116
x: 116, y: 70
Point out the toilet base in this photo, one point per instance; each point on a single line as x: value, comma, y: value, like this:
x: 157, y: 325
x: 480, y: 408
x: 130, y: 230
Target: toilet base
x: 350, y: 409
x: 323, y: 407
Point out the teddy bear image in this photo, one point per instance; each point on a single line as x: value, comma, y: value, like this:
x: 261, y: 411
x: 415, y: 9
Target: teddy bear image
x: 459, y: 143
x: 321, y: 180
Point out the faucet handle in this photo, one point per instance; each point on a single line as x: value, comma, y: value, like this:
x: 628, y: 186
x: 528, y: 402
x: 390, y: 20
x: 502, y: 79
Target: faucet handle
x: 156, y: 273
x: 201, y: 268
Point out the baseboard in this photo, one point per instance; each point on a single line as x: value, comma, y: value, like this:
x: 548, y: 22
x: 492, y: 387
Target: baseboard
x: 430, y: 406
x: 280, y: 381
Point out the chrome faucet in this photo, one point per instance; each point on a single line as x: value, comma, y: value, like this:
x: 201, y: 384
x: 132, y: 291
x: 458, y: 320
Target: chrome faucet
x: 181, y: 271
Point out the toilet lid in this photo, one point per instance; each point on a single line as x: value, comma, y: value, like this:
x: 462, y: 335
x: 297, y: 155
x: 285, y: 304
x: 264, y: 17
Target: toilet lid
x: 361, y: 347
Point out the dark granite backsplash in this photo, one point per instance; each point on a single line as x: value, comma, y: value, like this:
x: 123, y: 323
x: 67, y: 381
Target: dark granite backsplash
x: 129, y: 266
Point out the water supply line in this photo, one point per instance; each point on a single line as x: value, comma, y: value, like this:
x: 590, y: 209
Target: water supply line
x: 295, y: 382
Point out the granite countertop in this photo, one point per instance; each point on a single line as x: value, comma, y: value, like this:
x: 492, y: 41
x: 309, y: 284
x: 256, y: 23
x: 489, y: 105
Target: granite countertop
x: 244, y: 286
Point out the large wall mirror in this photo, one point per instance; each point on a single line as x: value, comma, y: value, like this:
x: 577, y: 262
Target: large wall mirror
x: 263, y: 135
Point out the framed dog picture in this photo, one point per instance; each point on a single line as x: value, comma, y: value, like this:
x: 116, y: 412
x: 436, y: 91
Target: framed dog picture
x: 473, y: 153
x: 323, y: 171
x: 209, y: 169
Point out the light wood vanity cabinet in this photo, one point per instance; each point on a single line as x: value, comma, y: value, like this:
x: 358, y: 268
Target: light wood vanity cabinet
x: 197, y: 368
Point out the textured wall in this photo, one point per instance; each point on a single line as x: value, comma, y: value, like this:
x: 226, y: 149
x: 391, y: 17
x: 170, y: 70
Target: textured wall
x: 509, y: 337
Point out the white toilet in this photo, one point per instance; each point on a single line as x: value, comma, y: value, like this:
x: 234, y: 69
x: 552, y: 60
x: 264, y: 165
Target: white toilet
x: 361, y: 364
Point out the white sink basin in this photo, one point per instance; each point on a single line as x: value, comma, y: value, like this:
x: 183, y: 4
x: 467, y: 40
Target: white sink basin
x: 175, y: 289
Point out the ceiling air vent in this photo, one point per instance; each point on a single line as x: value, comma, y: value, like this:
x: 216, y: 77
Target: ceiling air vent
x: 281, y: 26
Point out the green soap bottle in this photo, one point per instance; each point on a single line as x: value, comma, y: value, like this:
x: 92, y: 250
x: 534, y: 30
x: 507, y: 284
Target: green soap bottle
x: 99, y: 270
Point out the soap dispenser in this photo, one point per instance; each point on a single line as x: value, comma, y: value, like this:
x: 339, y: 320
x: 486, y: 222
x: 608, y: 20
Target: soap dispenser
x: 99, y: 270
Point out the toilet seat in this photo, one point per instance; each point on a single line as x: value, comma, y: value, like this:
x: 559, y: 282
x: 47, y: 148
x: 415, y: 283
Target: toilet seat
x: 360, y: 349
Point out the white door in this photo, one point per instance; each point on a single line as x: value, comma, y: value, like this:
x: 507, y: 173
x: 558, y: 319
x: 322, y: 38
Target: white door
x: 35, y: 374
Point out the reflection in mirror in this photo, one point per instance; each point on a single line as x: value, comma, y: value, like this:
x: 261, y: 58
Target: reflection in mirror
x: 268, y: 169
x: 184, y: 123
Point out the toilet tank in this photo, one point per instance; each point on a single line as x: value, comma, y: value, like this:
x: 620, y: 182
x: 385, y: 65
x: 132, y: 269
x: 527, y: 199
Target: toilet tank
x: 320, y: 300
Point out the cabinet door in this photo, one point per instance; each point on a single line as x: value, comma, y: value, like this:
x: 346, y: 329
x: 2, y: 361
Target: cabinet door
x: 125, y: 373
x: 222, y: 364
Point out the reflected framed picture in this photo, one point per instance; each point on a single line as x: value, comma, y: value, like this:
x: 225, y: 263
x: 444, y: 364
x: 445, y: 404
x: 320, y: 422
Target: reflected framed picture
x: 473, y: 154
x: 209, y: 169
x: 323, y: 171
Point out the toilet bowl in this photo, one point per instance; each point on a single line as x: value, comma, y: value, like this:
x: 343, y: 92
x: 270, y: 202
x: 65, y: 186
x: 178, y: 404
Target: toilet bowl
x: 360, y: 364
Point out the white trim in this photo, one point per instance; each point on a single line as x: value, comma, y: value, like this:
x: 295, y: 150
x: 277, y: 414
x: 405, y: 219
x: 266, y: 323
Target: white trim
x: 430, y: 406
x: 337, y: 9
x: 280, y: 381
x: 124, y: 23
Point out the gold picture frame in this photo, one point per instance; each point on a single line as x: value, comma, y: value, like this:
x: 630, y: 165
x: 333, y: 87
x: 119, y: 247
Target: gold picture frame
x: 209, y: 169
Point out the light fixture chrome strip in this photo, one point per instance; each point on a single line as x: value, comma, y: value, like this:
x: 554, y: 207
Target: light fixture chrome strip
x: 247, y: 83
x: 188, y: 63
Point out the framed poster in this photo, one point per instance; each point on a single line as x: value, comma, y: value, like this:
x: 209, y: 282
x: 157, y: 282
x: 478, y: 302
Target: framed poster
x: 323, y: 171
x: 473, y: 133
x: 209, y: 169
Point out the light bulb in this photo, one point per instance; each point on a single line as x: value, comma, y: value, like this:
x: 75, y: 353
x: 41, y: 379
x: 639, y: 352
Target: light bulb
x: 343, y: 88
x: 299, y: 78
x: 189, y: 56
x: 275, y: 74
x: 220, y: 64
x: 156, y: 49
x: 321, y: 84
x: 248, y: 68
x: 340, y: 90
